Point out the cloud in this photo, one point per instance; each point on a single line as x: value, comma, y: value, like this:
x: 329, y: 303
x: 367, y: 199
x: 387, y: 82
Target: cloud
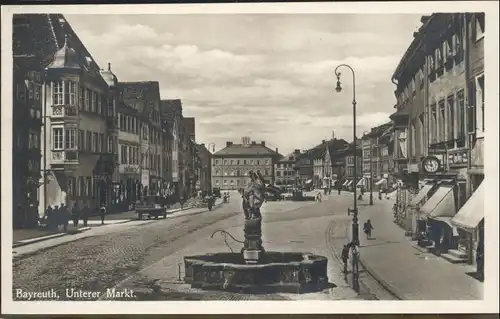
x: 267, y: 76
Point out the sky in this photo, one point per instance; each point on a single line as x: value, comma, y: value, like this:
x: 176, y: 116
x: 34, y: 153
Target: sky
x: 267, y: 76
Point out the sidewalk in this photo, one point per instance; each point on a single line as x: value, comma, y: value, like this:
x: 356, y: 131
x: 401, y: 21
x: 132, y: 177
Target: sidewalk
x: 410, y: 274
x: 23, y: 237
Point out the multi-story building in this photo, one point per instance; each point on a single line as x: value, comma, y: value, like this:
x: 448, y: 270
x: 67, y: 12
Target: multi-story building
x: 79, y: 146
x: 171, y: 117
x: 232, y: 164
x: 445, y: 123
x: 318, y: 157
x: 205, y: 172
x: 376, y: 158
x: 30, y: 56
x: 353, y: 150
x: 333, y: 162
x: 144, y: 97
x: 283, y: 170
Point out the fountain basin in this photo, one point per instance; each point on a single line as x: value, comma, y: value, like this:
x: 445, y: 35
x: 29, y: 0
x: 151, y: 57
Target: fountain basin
x: 286, y: 272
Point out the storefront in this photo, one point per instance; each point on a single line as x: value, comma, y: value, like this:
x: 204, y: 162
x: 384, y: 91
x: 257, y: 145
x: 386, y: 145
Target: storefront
x: 438, y: 212
x: 415, y: 224
x: 469, y: 218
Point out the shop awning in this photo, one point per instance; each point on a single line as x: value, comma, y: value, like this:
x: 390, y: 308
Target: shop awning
x: 380, y: 182
x: 362, y: 182
x: 349, y: 184
x: 309, y: 181
x: 471, y: 214
x: 345, y: 183
x: 441, y: 204
x: 421, y: 194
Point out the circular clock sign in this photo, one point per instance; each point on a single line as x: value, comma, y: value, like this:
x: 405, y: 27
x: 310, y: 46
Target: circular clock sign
x: 431, y: 164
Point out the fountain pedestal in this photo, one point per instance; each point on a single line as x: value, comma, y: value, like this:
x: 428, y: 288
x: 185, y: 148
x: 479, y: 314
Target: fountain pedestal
x: 252, y: 246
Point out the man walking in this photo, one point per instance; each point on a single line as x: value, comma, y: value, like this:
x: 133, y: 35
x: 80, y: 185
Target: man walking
x: 367, y: 228
x: 102, y: 212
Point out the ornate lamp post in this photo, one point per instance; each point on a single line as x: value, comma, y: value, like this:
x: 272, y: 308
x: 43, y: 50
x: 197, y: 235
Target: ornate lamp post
x: 355, y: 226
x: 371, y: 166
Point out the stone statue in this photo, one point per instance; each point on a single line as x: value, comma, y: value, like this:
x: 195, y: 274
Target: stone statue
x: 253, y: 198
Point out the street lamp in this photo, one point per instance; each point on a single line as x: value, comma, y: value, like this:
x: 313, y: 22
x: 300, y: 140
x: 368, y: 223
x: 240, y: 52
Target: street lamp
x: 355, y: 226
x: 371, y: 167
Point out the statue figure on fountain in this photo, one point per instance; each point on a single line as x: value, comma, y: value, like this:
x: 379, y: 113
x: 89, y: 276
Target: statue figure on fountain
x: 253, y: 198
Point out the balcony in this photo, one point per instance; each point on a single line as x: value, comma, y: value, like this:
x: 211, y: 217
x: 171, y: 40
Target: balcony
x: 65, y: 157
x: 62, y: 111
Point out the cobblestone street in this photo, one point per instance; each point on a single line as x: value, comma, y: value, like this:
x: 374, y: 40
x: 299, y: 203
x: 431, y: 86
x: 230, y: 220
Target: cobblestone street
x: 145, y: 255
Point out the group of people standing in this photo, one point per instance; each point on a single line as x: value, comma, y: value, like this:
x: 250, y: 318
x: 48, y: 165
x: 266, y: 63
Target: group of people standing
x: 61, y: 215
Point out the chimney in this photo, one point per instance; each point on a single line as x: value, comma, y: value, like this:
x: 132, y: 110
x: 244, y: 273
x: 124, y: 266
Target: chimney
x: 277, y: 150
x: 323, y: 141
x: 263, y: 143
x: 109, y: 66
x: 296, y: 151
x: 229, y: 143
x: 253, y: 143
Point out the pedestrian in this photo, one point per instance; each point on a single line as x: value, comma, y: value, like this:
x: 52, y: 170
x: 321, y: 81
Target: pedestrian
x: 48, y: 217
x: 56, y: 218
x: 345, y: 256
x: 329, y: 190
x: 340, y: 188
x: 367, y: 228
x: 85, y: 215
x: 318, y: 197
x: 64, y: 213
x: 355, y: 258
x: 75, y: 214
x: 181, y: 201
x: 102, y: 212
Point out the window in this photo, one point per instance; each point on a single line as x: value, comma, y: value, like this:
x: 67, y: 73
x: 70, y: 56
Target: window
x: 433, y: 124
x: 451, y: 118
x: 21, y: 92
x: 480, y: 103
x: 58, y: 96
x: 89, y: 188
x: 95, y: 142
x: 439, y: 57
x: 81, y: 140
x: 225, y: 162
x: 278, y: 174
x: 87, y: 102
x: 479, y: 26
x: 442, y: 123
x: 70, y: 90
x: 110, y: 144
x: 258, y: 162
x: 38, y: 90
x: 266, y: 172
x: 350, y: 171
x: 110, y: 105
x: 57, y: 135
x: 81, y: 99
x: 421, y: 130
x: 88, y: 142
x: 217, y: 182
x: 124, y: 154
x: 70, y: 138
x: 251, y: 162
x: 99, y: 103
x: 93, y: 105
x: 102, y: 144
x: 461, y: 115
x: 216, y: 162
x: 244, y: 162
x: 81, y: 186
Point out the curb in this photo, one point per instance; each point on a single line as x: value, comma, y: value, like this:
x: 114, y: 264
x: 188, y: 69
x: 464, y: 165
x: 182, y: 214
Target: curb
x: 43, y: 238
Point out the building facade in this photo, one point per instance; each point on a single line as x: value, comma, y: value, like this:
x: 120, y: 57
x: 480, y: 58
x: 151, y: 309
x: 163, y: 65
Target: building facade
x: 29, y: 60
x: 79, y: 145
x: 446, y: 126
x: 205, y: 171
x: 232, y: 164
x: 334, y: 161
x: 284, y: 171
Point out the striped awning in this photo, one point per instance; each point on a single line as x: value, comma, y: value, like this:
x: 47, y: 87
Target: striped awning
x: 471, y: 214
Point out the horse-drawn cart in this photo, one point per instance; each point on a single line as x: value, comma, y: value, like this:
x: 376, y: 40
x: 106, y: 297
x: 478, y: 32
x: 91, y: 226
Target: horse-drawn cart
x: 151, y: 206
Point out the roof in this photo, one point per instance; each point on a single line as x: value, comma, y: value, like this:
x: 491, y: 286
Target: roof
x: 336, y: 144
x: 136, y: 94
x: 292, y: 155
x: 378, y: 131
x: 248, y: 149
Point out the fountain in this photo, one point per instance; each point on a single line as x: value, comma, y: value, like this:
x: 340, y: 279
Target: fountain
x: 254, y: 270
